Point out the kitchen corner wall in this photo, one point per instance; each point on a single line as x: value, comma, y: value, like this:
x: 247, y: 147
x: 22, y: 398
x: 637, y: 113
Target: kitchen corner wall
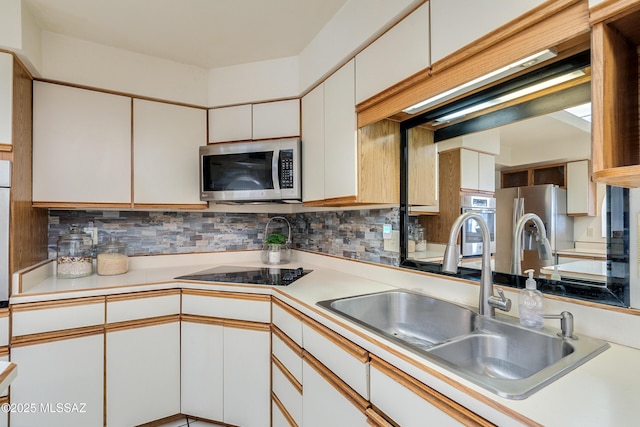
x: 354, y: 234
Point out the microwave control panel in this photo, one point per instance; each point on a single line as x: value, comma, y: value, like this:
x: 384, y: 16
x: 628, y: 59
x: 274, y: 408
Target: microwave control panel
x: 286, y: 169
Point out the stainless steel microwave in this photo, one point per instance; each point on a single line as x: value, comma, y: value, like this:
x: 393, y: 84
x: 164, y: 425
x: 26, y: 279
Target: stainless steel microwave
x: 256, y: 171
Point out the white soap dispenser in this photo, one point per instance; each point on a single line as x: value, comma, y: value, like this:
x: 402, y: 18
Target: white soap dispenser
x: 530, y: 304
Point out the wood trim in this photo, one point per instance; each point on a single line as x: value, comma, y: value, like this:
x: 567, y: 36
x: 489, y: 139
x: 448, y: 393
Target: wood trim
x: 336, y: 201
x: 354, y: 350
x: 141, y: 323
x: 284, y: 411
x: 163, y: 421
x: 611, y: 10
x: 75, y: 205
x: 551, y: 24
x: 440, y: 401
x: 150, y: 206
x: 286, y: 307
x: 356, y: 400
x: 294, y: 382
x: 504, y: 32
x: 374, y: 419
x: 204, y: 320
x: 224, y: 294
x: 6, y: 147
x: 46, y: 337
x: 4, y: 350
x: 143, y: 294
x: 288, y: 341
x: 8, y: 370
x: 44, y: 305
x: 4, y: 312
x: 244, y: 324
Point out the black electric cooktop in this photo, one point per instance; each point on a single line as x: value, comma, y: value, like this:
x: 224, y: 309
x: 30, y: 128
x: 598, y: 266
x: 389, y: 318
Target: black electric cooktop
x: 273, y: 276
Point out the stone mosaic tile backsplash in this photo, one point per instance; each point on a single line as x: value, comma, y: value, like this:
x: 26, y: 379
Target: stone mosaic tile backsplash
x: 355, y: 234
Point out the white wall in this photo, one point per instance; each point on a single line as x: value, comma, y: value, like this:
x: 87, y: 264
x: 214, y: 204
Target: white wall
x: 80, y: 62
x: 254, y: 82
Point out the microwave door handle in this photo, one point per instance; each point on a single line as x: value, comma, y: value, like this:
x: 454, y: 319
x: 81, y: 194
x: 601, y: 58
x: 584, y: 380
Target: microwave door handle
x: 275, y: 170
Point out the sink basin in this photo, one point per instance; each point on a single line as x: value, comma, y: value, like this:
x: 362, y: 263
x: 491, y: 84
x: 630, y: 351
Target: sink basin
x: 498, y: 354
x: 406, y: 317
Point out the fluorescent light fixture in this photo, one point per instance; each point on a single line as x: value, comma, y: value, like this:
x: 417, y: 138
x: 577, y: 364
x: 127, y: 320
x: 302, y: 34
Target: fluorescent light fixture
x: 483, y: 80
x: 511, y: 96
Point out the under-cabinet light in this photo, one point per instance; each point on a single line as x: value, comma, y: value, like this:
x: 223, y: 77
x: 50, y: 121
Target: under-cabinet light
x: 483, y: 80
x: 511, y: 96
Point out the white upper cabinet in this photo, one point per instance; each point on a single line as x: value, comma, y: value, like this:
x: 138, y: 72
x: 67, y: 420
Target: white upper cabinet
x: 313, y: 145
x: 477, y: 171
x: 396, y: 55
x: 81, y: 145
x: 340, y: 139
x: 166, y: 138
x: 6, y: 97
x: 276, y: 119
x: 456, y: 23
x: 230, y: 123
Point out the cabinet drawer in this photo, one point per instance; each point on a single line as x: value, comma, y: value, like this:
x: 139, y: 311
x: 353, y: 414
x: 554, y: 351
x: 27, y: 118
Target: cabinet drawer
x: 287, y: 320
x: 287, y: 352
x: 348, y: 361
x: 409, y: 402
x: 278, y: 417
x: 4, y: 327
x: 52, y: 316
x: 287, y: 393
x: 143, y: 305
x: 227, y: 305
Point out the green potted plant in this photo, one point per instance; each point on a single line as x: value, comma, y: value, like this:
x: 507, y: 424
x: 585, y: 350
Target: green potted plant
x: 275, y: 249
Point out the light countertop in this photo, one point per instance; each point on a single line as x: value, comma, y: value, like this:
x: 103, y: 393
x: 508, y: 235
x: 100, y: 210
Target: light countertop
x: 596, y: 271
x: 603, y: 391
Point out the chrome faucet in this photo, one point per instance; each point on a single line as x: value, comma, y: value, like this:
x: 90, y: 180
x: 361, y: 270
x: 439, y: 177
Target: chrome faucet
x: 488, y: 301
x: 544, y: 247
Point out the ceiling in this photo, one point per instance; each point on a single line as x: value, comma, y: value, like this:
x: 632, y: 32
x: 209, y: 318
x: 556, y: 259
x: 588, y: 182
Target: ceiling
x: 204, y: 33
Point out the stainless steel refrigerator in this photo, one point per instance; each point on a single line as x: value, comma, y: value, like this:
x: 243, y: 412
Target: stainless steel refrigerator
x: 549, y: 202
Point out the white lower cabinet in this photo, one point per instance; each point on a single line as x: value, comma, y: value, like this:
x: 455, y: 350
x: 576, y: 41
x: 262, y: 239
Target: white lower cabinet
x: 324, y: 401
x: 409, y: 402
x: 202, y: 368
x: 142, y: 373
x: 246, y: 376
x: 226, y: 355
x: 59, y: 382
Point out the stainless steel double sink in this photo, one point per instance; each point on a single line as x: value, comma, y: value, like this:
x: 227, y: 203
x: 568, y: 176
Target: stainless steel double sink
x: 498, y: 354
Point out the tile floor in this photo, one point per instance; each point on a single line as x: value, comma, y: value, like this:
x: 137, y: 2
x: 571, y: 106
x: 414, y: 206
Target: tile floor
x: 189, y: 423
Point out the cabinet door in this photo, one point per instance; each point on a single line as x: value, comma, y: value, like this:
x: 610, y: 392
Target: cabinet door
x: 202, y: 370
x: 581, y: 191
x: 486, y: 172
x: 383, y: 63
x: 468, y: 169
x: 142, y: 374
x: 247, y: 380
x: 456, y: 23
x: 166, y: 139
x: 340, y: 140
x: 323, y: 403
x: 313, y: 145
x: 68, y: 371
x: 230, y: 123
x: 276, y: 119
x: 6, y: 98
x: 81, y: 145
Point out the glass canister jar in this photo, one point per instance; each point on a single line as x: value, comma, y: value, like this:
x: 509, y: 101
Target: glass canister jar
x: 74, y: 254
x: 421, y: 242
x: 112, y: 258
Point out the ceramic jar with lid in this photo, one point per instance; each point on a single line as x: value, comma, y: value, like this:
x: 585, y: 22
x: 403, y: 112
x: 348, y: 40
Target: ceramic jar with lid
x: 74, y: 254
x: 112, y: 258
